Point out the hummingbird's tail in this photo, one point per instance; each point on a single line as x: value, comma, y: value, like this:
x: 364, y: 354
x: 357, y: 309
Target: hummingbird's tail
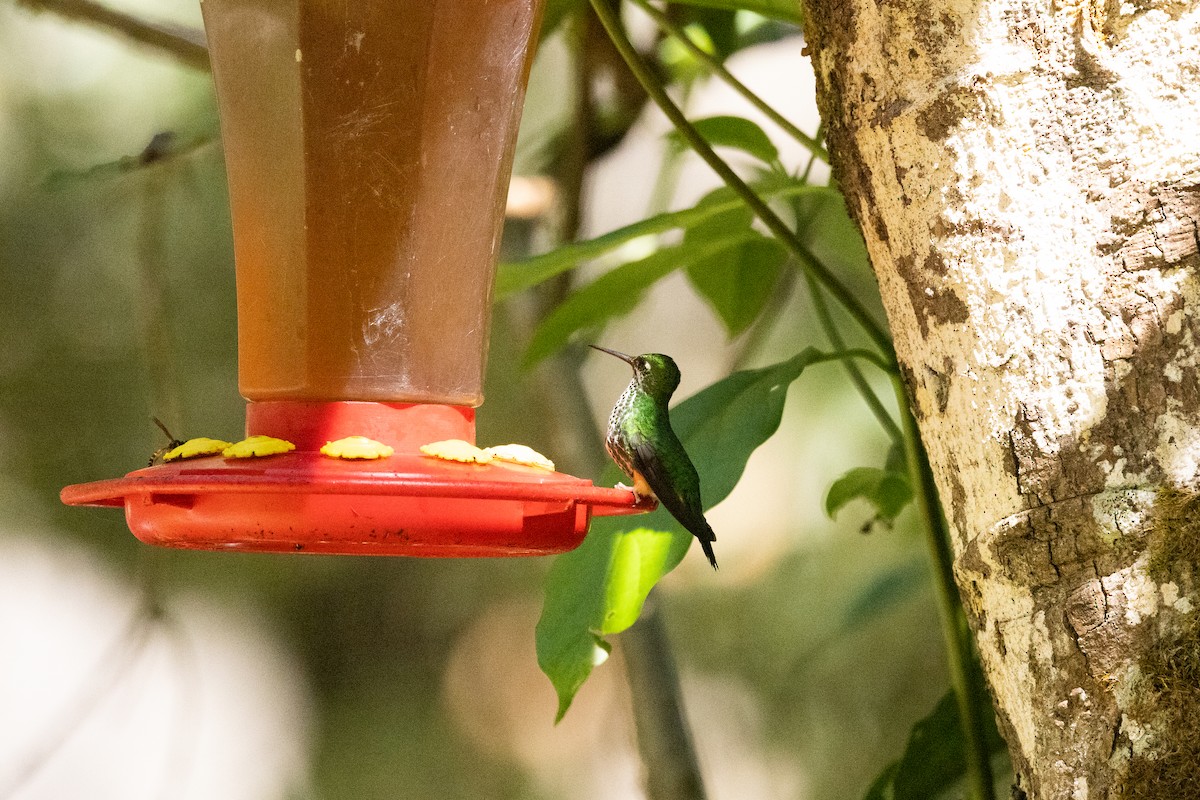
x: 698, y: 526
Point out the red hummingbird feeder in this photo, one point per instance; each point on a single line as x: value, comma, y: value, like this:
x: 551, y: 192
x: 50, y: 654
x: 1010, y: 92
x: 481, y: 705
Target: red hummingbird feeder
x: 369, y: 148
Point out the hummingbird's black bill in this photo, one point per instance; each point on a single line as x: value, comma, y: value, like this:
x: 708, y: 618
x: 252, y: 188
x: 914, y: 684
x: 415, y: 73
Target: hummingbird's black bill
x: 622, y: 356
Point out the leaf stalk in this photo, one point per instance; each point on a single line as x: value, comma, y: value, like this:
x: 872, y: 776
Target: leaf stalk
x: 856, y: 377
x: 960, y: 656
x: 666, y: 25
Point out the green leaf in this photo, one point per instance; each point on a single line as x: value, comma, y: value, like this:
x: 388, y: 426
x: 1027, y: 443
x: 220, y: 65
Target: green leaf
x: 680, y: 63
x: 934, y: 759
x: 726, y: 422
x: 732, y: 265
x: 736, y: 132
x: 717, y: 25
x: 881, y: 789
x: 897, y: 459
x: 617, y: 292
x: 888, y: 491
x: 787, y: 10
x: 830, y: 235
x: 739, y: 283
x: 517, y: 276
x: 639, y: 558
x: 557, y: 11
x: 599, y: 589
x: 731, y: 216
x: 613, y: 294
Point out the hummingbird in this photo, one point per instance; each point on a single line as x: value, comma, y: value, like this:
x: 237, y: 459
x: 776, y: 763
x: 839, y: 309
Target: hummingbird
x: 641, y: 441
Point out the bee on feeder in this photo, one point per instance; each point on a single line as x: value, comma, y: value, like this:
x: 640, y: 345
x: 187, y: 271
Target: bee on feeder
x: 176, y: 449
x: 171, y: 444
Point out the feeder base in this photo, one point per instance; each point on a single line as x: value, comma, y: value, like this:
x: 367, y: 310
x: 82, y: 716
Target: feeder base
x: 406, y: 504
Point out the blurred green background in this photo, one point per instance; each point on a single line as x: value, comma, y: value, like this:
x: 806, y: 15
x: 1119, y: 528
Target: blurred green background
x: 805, y: 661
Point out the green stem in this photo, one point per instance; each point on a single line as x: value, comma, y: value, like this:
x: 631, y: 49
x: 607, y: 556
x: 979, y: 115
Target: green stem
x: 856, y: 377
x: 610, y: 20
x: 955, y: 631
x: 835, y: 338
x: 854, y: 352
x: 667, y: 26
x: 813, y: 158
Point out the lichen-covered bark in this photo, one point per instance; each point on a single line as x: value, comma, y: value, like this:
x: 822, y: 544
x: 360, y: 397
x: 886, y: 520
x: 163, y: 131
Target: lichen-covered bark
x: 1027, y: 177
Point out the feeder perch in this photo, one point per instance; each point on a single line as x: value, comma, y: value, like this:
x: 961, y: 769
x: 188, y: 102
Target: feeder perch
x: 369, y: 148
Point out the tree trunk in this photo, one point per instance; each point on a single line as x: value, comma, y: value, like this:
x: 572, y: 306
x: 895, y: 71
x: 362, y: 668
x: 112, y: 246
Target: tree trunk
x: 1027, y: 178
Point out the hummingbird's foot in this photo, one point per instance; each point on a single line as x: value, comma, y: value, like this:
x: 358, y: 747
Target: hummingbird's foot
x: 638, y: 496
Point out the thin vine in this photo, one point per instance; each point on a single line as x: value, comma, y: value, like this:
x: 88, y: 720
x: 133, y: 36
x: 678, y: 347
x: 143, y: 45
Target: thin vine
x: 813, y: 144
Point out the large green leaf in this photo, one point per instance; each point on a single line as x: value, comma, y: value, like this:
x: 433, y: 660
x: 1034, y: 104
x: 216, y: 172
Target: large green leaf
x: 739, y: 281
x: 788, y: 10
x: 613, y: 294
x: 934, y: 759
x: 828, y: 232
x: 599, y: 589
x: 596, y: 590
x: 517, y: 276
x: 731, y: 131
x: 617, y: 292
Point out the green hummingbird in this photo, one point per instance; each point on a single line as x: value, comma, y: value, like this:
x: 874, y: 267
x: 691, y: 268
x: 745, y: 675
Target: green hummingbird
x: 641, y: 441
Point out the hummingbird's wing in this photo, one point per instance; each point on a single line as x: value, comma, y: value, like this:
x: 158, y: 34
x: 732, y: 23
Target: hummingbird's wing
x: 666, y: 467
